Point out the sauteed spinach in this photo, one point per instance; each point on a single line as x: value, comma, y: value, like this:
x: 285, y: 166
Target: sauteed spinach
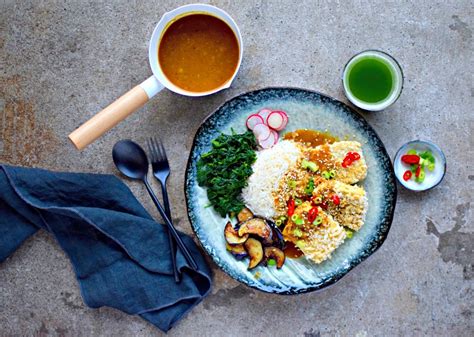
x: 225, y: 169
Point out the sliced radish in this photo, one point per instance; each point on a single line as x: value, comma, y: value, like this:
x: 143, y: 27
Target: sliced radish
x: 267, y: 143
x: 285, y: 116
x: 285, y: 121
x: 261, y: 131
x: 253, y: 120
x: 264, y: 114
x: 282, y: 112
x: 276, y: 121
x: 275, y: 136
x: 260, y: 139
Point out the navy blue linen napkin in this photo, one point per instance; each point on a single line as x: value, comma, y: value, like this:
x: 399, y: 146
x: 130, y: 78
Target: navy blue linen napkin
x: 119, y: 253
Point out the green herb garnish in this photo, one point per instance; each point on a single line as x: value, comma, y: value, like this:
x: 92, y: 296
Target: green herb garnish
x: 225, y: 169
x: 271, y: 262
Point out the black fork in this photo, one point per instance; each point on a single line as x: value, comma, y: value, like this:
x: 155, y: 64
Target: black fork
x: 161, y: 171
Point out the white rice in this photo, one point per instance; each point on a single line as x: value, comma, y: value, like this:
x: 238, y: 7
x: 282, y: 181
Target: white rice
x: 268, y: 169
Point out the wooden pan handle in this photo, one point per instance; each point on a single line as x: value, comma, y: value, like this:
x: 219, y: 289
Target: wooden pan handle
x: 114, y: 113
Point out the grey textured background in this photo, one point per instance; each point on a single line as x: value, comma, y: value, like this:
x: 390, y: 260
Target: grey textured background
x: 61, y: 62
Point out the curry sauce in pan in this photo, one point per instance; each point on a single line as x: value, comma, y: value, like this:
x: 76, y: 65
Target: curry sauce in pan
x: 198, y: 53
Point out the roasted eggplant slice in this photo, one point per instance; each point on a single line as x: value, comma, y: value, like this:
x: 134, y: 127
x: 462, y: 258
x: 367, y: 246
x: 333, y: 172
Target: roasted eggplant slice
x: 238, y: 251
x: 255, y: 250
x: 277, y: 236
x: 244, y: 215
x: 257, y: 227
x: 276, y: 254
x: 232, y: 236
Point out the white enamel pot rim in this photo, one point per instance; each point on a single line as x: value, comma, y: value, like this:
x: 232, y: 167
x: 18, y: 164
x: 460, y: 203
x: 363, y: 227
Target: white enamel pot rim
x: 164, y: 23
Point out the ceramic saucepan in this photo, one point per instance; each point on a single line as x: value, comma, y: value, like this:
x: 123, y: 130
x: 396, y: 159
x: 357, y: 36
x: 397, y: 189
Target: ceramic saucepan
x: 142, y: 93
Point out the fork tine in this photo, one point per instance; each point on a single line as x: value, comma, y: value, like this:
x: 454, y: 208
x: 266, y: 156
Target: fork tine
x: 163, y: 150
x: 150, y: 150
x: 157, y: 149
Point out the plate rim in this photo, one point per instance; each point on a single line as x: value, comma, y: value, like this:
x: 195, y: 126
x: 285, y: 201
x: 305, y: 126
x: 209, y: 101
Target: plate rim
x: 352, y: 265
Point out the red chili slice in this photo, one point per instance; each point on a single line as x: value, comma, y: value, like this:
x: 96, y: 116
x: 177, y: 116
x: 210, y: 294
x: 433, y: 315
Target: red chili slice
x: 418, y: 170
x: 350, y: 158
x: 407, y: 175
x: 354, y: 156
x: 346, y: 162
x: 291, y: 207
x: 410, y: 159
x: 335, y: 199
x: 312, y: 214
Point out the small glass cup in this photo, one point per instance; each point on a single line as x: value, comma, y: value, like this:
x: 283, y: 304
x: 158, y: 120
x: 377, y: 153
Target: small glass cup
x: 397, y: 86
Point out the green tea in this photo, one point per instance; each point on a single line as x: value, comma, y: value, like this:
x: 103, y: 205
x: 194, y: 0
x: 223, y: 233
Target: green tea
x: 370, y: 79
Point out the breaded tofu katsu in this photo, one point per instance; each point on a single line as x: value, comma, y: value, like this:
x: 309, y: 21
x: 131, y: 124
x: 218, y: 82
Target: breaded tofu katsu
x: 317, y: 242
x: 315, y: 200
x: 330, y: 157
x: 322, y: 179
x: 352, y: 202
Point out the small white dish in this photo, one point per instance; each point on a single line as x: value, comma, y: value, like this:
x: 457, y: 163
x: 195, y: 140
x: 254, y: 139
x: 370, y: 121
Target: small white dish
x: 433, y: 178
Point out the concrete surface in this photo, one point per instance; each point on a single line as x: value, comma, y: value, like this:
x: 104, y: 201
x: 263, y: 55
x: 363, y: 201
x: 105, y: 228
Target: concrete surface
x: 62, y: 61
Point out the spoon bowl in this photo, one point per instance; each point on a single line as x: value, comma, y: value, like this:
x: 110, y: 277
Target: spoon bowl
x: 130, y: 159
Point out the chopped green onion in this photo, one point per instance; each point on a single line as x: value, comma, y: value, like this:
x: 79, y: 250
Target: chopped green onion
x: 298, y: 202
x: 310, y: 188
x: 297, y: 220
x: 332, y: 173
x: 292, y: 184
x: 309, y: 165
x: 278, y: 222
x: 271, y: 262
x: 349, y: 233
x: 306, y: 164
x: 428, y: 156
x: 318, y: 221
x: 318, y: 200
x: 313, y: 167
x: 300, y: 244
x: 413, y: 168
x: 326, y: 175
x: 297, y: 232
x: 412, y: 151
x: 431, y: 166
x: 421, y: 177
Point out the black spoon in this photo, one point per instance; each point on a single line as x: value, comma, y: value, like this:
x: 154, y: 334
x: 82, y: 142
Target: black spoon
x: 132, y: 161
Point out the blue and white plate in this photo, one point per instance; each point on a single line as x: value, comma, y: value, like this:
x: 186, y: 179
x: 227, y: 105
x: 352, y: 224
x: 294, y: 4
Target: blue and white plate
x: 310, y: 110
